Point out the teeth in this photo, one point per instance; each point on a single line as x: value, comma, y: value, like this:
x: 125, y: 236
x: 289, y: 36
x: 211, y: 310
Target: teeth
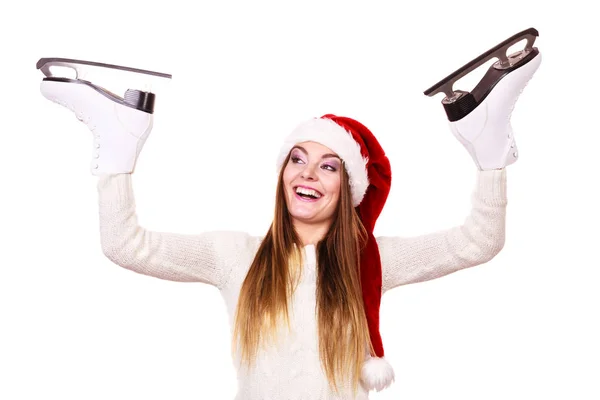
x: 308, y: 192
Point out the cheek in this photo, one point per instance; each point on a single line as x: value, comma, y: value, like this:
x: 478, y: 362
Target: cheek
x: 287, y: 173
x: 333, y: 185
x: 288, y: 176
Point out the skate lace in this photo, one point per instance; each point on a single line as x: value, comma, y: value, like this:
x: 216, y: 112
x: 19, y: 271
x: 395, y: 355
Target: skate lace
x: 509, y: 117
x: 87, y: 120
x: 512, y: 106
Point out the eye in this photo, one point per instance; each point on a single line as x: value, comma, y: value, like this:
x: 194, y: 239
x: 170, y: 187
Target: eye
x: 295, y: 159
x: 329, y: 167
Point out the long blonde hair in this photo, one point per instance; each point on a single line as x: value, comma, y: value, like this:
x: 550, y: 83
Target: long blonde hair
x: 263, y: 300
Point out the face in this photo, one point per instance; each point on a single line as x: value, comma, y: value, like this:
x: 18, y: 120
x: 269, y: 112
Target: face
x: 312, y: 180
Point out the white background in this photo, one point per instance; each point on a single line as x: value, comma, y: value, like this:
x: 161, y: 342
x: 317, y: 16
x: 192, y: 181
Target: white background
x: 76, y: 326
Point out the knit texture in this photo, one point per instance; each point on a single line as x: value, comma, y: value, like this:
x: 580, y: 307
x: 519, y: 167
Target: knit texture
x: 291, y: 369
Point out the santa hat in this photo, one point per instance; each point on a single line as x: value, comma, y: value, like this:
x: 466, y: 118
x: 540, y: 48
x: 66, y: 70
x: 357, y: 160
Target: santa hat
x: 370, y: 179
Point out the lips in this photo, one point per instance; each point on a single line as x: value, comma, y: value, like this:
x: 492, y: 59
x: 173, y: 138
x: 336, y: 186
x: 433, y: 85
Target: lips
x: 307, y: 193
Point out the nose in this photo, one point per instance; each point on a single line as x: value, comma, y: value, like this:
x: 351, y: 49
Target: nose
x: 309, y: 172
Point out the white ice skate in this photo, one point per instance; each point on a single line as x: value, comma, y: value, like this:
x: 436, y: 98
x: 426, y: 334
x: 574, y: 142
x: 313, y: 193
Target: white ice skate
x: 120, y: 125
x: 481, y: 119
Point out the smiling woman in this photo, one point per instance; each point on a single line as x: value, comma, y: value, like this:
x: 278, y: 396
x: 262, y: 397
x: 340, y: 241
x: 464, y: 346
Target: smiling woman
x: 318, y: 211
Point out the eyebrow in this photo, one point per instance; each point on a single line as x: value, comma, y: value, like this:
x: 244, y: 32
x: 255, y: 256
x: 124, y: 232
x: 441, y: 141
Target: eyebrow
x: 328, y: 155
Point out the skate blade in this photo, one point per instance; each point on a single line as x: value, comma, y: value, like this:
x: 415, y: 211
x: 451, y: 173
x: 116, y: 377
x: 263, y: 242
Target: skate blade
x: 137, y: 84
x: 499, y: 51
x: 44, y: 65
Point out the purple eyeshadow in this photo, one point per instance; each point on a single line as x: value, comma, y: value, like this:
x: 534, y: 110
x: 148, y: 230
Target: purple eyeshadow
x: 297, y: 154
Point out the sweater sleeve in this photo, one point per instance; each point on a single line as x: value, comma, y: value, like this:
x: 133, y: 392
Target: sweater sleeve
x: 206, y: 257
x: 476, y: 241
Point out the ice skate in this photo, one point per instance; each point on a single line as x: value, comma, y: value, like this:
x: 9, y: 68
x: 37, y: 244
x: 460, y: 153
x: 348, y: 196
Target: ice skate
x: 120, y: 125
x: 480, y: 119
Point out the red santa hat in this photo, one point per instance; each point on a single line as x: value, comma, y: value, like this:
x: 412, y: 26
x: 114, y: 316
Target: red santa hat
x: 370, y: 179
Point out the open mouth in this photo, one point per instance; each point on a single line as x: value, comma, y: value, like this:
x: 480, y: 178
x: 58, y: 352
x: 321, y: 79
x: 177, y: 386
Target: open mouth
x: 307, y: 194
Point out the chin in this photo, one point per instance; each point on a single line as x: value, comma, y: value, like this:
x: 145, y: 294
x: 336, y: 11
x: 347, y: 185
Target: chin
x: 303, y: 215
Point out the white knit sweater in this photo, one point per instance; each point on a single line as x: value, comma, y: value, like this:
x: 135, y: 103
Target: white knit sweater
x: 220, y: 258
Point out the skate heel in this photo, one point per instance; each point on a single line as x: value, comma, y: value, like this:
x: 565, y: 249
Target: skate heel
x: 143, y: 101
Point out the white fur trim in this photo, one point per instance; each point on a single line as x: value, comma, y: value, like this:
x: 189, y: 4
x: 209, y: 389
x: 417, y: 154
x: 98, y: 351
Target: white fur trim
x: 377, y: 374
x: 332, y: 135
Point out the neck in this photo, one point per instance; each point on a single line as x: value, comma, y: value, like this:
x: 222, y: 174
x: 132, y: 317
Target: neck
x: 310, y: 233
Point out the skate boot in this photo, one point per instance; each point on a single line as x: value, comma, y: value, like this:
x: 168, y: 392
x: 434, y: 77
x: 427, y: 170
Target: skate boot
x: 481, y: 119
x: 120, y: 125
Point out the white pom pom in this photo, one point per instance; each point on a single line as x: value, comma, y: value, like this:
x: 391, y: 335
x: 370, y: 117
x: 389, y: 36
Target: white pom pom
x: 377, y: 374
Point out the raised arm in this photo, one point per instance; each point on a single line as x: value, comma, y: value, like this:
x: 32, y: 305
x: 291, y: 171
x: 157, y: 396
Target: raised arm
x: 476, y: 241
x: 483, y: 126
x: 120, y: 128
x: 207, y: 257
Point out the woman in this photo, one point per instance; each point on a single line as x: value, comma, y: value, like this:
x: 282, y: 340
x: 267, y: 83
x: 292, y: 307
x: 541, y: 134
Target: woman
x: 303, y: 299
